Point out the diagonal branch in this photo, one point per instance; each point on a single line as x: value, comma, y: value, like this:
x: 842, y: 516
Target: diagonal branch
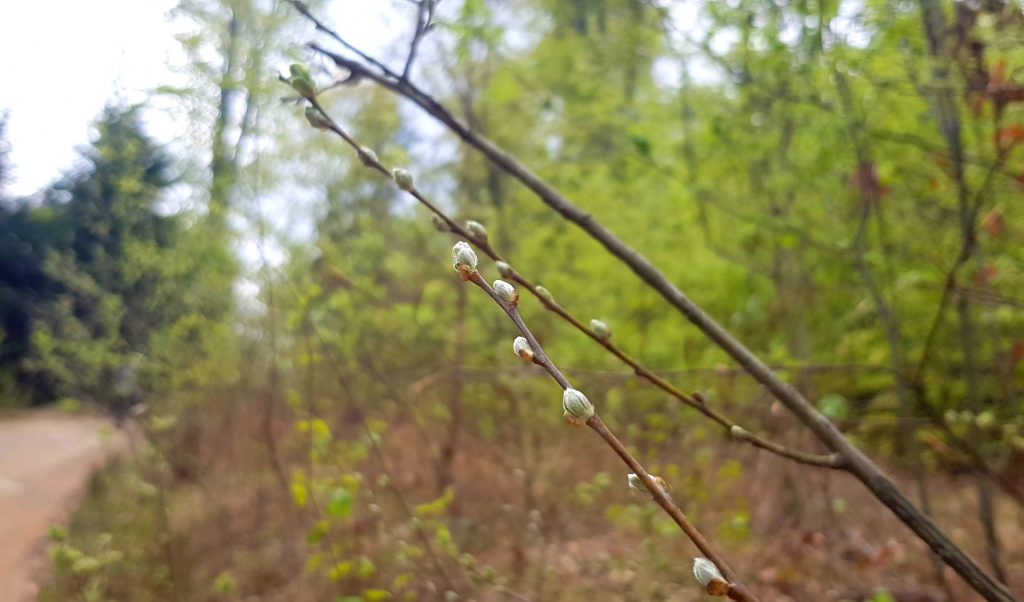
x: 424, y: 22
x: 736, y: 591
x: 696, y: 401
x: 869, y: 473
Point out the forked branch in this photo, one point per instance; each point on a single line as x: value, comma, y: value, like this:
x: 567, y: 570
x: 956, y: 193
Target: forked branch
x: 855, y: 461
x: 478, y: 236
x: 579, y: 411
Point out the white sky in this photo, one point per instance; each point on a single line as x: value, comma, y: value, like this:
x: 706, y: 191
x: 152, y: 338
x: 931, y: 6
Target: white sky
x: 62, y: 60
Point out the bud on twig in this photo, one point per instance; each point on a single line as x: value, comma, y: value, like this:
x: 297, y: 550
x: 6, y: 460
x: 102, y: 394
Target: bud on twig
x: 477, y: 230
x: 710, y: 577
x: 504, y: 269
x: 439, y: 224
x: 578, y: 409
x: 738, y: 432
x: 637, y: 484
x: 544, y: 294
x: 464, y: 259
x: 317, y: 120
x: 298, y: 70
x: 522, y: 348
x: 302, y: 81
x: 601, y: 329
x: 506, y: 291
x: 367, y: 156
x: 403, y: 178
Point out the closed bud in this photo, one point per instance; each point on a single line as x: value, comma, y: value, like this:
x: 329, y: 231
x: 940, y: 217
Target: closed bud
x: 504, y: 269
x: 302, y: 81
x: 403, y: 178
x: 304, y: 87
x: 464, y: 259
x: 439, y: 224
x: 298, y: 70
x: 710, y: 577
x: 367, y: 156
x: 316, y: 120
x: 506, y: 291
x: 578, y: 409
x: 738, y: 432
x: 476, y: 230
x: 522, y: 348
x: 545, y: 294
x: 601, y: 329
x: 637, y: 484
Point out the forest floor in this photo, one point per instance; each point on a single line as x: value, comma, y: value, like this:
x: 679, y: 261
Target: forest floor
x: 46, y: 459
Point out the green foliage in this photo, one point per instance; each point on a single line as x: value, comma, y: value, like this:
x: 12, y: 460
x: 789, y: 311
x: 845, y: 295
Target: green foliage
x: 784, y: 166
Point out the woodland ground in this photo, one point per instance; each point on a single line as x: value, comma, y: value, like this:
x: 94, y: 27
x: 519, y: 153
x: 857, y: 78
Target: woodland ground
x: 806, y: 535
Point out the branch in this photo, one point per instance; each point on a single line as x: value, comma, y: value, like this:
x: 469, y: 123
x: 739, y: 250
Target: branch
x: 873, y: 478
x: 735, y: 591
x: 424, y: 23
x: 477, y: 235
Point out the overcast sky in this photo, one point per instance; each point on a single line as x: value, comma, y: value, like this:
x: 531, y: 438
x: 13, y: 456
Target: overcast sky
x: 62, y: 60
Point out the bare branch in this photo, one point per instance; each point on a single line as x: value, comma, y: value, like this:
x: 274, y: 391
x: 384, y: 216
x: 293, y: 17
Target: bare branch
x: 857, y: 463
x: 730, y: 426
x: 736, y: 590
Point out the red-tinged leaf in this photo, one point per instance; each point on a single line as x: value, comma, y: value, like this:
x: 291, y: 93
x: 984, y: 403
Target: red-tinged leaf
x: 1009, y: 135
x: 984, y: 275
x: 865, y: 180
x: 998, y: 73
x: 993, y: 222
x: 977, y: 103
x: 1016, y: 354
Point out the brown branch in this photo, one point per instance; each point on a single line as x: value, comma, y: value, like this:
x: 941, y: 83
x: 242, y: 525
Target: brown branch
x: 736, y: 590
x: 858, y: 464
x: 730, y: 426
x: 424, y: 22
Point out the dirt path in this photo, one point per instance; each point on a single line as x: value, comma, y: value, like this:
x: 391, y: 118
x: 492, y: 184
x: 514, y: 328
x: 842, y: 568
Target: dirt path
x: 46, y: 458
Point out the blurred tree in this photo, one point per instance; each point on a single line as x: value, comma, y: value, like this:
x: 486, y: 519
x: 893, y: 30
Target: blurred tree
x: 107, y: 262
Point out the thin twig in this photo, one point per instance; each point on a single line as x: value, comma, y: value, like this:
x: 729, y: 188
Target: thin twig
x: 857, y: 462
x: 736, y: 590
x: 731, y: 427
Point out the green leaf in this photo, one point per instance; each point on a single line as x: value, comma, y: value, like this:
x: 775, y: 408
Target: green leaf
x: 340, y: 505
x: 834, y: 406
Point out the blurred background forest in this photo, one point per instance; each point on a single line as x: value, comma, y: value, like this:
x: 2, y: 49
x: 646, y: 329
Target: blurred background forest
x: 319, y: 409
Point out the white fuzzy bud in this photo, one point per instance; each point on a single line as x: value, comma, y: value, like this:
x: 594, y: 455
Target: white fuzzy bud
x: 477, y: 230
x: 601, y: 329
x: 637, y: 484
x: 522, y: 348
x: 369, y: 158
x: 403, y: 178
x: 504, y: 269
x: 506, y: 291
x: 464, y: 259
x: 738, y: 432
x: 545, y: 294
x: 710, y: 577
x: 578, y: 408
x: 439, y: 224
